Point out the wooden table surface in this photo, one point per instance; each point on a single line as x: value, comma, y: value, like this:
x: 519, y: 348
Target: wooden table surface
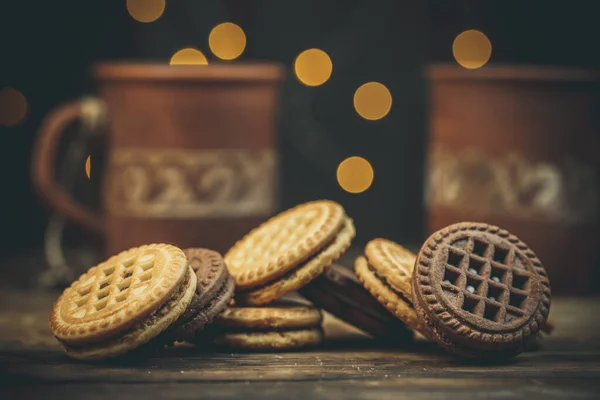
x: 348, y: 365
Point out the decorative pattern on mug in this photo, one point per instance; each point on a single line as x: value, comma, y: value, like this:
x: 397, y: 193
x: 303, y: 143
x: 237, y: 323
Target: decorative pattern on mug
x: 513, y: 185
x: 191, y: 183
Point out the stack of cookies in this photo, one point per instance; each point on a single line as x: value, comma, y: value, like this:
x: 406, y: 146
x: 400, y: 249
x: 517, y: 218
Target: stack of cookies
x: 279, y: 257
x: 475, y: 289
x: 280, y: 326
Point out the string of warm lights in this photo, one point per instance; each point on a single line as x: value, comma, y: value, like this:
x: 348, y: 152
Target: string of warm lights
x: 88, y: 167
x: 472, y: 49
x: 188, y: 56
x: 372, y: 101
x: 227, y: 41
x: 312, y: 67
x: 146, y: 10
x: 355, y: 174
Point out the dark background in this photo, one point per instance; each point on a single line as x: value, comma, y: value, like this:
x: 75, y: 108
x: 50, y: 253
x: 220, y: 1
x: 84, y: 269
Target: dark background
x: 47, y: 48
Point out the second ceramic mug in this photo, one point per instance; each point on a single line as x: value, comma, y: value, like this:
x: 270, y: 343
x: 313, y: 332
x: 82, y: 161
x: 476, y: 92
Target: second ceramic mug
x: 517, y: 146
x: 191, y: 154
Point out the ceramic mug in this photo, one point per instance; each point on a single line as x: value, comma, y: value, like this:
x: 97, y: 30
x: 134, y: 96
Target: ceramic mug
x: 519, y: 146
x: 191, y: 153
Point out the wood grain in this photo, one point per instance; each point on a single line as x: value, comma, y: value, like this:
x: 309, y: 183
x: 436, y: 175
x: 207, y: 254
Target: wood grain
x: 348, y: 365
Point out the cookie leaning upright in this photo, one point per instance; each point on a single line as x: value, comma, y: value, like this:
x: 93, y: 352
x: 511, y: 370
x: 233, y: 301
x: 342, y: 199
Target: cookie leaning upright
x: 386, y: 272
x: 123, y: 302
x: 288, y: 251
x: 214, y: 291
x: 481, y: 290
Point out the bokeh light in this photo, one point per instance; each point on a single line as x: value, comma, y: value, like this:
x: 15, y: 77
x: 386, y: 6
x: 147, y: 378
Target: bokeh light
x: 88, y: 167
x: 188, y: 56
x: 13, y: 106
x: 313, y: 67
x: 472, y: 49
x: 227, y: 41
x: 372, y: 101
x: 355, y: 174
x: 146, y: 10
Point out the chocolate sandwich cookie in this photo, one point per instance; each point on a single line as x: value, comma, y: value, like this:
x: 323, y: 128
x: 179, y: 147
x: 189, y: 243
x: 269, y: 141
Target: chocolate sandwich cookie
x: 285, y: 326
x: 124, y: 302
x: 339, y: 292
x: 386, y: 273
x: 214, y: 291
x: 482, y: 291
x: 288, y: 251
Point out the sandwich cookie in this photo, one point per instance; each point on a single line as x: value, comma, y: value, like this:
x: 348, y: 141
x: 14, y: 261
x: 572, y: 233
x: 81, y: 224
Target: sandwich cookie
x: 281, y: 327
x: 288, y: 251
x: 124, y: 302
x: 482, y: 291
x: 214, y: 291
x: 386, y: 273
x: 339, y: 292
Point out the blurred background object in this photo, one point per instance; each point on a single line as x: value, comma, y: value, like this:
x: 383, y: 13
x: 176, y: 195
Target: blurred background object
x: 362, y: 97
x: 517, y: 146
x: 190, y: 153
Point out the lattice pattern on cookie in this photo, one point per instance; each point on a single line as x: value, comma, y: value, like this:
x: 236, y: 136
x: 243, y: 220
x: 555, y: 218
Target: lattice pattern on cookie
x: 446, y: 255
x: 486, y: 280
x: 113, y: 284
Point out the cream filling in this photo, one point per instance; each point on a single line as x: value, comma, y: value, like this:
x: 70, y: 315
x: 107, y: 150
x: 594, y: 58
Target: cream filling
x: 390, y: 287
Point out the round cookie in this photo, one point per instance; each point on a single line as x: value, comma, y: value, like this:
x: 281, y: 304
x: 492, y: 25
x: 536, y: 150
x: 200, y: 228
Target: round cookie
x: 271, y: 341
x: 211, y: 272
x: 123, y: 302
x: 214, y: 291
x: 288, y: 251
x: 398, y: 305
x: 393, y: 263
x: 339, y: 292
x: 285, y: 316
x: 302, y: 275
x: 481, y: 290
x: 283, y: 242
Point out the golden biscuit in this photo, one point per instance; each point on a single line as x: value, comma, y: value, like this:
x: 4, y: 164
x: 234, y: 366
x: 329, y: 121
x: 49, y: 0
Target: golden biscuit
x: 283, y: 326
x: 391, y: 299
x: 288, y: 251
x: 123, y: 302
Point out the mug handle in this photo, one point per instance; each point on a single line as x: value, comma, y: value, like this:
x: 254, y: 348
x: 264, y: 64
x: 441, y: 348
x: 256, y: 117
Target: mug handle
x: 87, y: 110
